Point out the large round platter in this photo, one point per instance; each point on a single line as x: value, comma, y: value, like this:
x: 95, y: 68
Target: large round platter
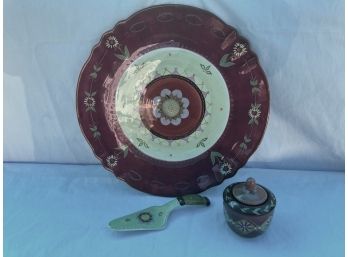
x: 172, y: 100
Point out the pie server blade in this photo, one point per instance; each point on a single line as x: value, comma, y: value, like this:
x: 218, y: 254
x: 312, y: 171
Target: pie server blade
x: 155, y: 217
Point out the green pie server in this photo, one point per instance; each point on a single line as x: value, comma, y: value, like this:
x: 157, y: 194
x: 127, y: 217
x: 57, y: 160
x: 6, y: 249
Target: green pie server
x: 155, y: 217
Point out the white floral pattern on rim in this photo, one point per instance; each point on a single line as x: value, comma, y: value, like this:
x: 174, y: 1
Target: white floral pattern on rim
x: 225, y: 168
x: 89, y: 101
x: 239, y: 49
x: 111, y: 42
x: 254, y: 113
x: 170, y: 107
x: 111, y: 161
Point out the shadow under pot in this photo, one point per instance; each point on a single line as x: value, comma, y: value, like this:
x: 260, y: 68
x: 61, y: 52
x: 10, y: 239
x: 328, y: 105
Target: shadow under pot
x: 248, y: 208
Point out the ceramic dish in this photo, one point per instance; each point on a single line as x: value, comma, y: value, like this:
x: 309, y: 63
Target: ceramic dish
x: 248, y: 208
x: 172, y: 100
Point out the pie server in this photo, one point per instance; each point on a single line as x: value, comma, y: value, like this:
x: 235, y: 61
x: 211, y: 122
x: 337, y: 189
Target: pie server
x: 155, y: 217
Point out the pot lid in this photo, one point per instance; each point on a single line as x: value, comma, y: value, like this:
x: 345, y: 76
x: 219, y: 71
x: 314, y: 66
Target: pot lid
x: 249, y: 192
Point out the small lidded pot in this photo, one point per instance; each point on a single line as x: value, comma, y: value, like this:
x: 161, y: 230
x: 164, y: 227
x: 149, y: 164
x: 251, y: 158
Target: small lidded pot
x: 248, y: 208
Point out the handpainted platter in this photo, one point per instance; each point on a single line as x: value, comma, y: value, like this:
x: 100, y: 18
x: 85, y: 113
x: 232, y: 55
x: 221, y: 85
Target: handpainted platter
x: 172, y: 100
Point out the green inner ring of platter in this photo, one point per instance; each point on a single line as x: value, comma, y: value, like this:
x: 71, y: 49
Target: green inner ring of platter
x: 185, y: 63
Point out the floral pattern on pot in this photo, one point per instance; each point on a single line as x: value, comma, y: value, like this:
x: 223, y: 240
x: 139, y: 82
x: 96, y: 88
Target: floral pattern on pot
x: 170, y: 107
x: 245, y: 227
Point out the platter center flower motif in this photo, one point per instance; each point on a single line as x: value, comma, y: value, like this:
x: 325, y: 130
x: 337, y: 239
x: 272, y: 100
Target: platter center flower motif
x: 170, y: 107
x: 166, y: 102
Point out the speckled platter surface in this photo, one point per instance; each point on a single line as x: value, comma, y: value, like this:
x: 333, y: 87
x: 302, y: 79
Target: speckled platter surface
x: 172, y: 100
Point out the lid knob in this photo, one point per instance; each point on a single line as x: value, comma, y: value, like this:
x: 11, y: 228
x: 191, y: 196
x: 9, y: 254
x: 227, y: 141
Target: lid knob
x: 249, y: 192
x: 251, y: 185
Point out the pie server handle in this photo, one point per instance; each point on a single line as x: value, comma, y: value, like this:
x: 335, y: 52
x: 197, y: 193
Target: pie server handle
x: 193, y: 200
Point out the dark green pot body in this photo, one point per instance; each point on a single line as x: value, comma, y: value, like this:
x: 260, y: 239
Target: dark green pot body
x: 248, y: 220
